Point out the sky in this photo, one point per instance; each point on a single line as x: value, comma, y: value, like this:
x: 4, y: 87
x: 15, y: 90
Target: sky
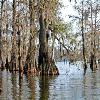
x: 68, y: 10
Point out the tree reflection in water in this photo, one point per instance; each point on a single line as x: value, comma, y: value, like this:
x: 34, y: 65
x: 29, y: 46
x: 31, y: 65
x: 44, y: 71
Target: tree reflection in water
x: 20, y: 87
x: 14, y: 86
x: 90, y: 87
x: 73, y: 86
x: 31, y: 81
x: 44, y: 84
x: 44, y: 88
x: 0, y: 82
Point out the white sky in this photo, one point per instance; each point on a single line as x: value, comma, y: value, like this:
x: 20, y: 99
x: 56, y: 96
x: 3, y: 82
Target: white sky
x: 67, y: 9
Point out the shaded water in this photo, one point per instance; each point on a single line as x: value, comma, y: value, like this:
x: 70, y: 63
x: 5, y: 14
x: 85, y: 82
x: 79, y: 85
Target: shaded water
x: 69, y: 85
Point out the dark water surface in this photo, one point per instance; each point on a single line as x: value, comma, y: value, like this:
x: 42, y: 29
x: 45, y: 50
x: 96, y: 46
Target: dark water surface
x: 69, y: 85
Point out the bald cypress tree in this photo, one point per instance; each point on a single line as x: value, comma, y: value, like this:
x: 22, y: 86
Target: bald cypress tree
x: 13, y: 54
x: 46, y: 65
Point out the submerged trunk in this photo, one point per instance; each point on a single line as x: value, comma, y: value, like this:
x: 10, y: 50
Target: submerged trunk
x: 30, y: 60
x: 13, y: 54
x: 83, y: 45
x: 46, y: 65
x: 19, y: 52
x: 84, y: 56
x: 93, y: 64
x: 2, y: 2
x: 0, y: 48
x: 32, y: 31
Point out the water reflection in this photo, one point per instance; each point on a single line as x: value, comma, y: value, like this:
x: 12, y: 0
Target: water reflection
x: 14, y: 86
x: 20, y: 87
x: 44, y: 88
x: 91, y: 91
x: 70, y: 86
x: 0, y: 83
x: 31, y: 85
x: 44, y: 84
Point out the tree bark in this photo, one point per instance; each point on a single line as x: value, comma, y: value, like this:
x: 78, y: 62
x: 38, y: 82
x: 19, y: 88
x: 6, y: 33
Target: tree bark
x: 2, y: 3
x: 32, y: 48
x: 32, y: 31
x: 46, y: 65
x: 93, y: 64
x: 13, y: 54
x: 83, y: 45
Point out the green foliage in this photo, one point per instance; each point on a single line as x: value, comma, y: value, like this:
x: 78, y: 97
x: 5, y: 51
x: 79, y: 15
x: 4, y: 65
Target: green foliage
x: 62, y: 28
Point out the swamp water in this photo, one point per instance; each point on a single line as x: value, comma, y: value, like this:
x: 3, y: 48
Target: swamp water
x: 69, y: 85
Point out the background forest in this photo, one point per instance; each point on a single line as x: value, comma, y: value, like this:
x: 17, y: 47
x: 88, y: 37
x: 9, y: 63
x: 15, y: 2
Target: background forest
x: 33, y: 36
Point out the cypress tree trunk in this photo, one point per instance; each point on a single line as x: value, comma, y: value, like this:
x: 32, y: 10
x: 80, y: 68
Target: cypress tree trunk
x: 93, y: 64
x: 13, y: 54
x: 2, y: 2
x: 0, y: 47
x: 19, y: 55
x: 46, y: 65
x: 32, y: 48
x: 33, y: 34
x: 30, y: 59
x: 84, y: 56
